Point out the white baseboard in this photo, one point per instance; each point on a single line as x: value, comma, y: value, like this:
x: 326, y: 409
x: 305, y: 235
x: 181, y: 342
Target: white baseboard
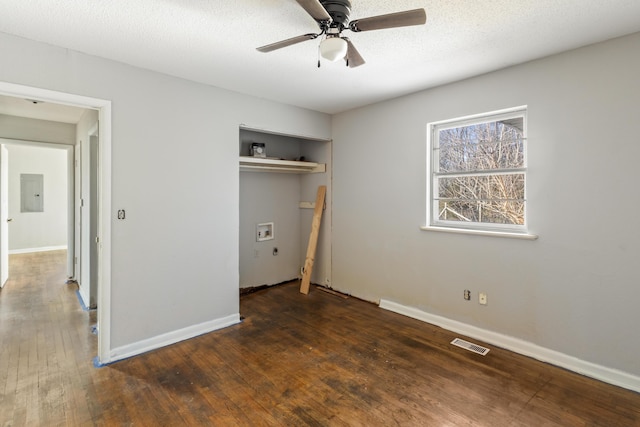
x: 169, y: 338
x: 42, y: 249
x: 599, y: 372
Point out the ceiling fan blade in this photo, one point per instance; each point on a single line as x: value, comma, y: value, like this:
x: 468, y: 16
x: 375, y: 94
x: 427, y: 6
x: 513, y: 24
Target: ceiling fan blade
x: 353, y: 57
x: 287, y: 42
x: 315, y: 9
x: 390, y: 20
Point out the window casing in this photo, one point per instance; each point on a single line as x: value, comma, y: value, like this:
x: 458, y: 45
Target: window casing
x: 476, y: 172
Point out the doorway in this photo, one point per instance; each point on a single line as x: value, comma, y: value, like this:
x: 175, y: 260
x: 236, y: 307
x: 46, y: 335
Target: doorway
x: 102, y: 222
x: 38, y: 198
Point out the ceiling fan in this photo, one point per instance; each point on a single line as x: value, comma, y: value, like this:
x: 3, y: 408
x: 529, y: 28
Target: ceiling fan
x: 332, y: 17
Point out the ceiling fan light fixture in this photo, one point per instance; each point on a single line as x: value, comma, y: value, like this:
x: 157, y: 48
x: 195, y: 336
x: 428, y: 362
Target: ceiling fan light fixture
x: 333, y: 48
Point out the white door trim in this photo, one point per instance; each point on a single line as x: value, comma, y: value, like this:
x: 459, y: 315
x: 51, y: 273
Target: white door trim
x: 4, y: 215
x: 104, y: 116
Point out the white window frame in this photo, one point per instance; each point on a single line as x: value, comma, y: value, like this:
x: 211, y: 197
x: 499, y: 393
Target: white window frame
x: 433, y: 223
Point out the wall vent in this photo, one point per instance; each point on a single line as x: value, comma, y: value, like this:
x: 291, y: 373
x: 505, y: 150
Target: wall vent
x: 470, y: 346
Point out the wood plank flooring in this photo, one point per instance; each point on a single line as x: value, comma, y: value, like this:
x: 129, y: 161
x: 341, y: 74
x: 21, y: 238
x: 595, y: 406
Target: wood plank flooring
x: 295, y: 360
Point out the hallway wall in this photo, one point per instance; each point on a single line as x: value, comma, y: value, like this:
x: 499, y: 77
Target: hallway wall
x: 36, y: 231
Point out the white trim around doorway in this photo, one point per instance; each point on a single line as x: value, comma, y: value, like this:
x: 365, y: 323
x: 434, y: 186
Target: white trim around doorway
x: 104, y: 116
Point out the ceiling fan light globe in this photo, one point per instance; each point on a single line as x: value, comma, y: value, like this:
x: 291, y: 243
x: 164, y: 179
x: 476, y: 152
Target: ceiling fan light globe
x: 333, y: 48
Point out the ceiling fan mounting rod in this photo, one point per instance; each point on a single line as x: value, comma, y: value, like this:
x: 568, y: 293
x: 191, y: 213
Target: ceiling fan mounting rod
x: 339, y: 10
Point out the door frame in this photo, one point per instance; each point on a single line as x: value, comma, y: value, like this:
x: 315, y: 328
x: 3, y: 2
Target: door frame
x: 70, y: 189
x: 4, y: 217
x: 104, y: 183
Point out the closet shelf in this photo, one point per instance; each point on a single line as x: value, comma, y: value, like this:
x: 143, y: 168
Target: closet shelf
x: 259, y: 164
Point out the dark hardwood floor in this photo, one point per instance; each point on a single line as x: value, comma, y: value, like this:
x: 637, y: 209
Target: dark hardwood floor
x: 296, y: 360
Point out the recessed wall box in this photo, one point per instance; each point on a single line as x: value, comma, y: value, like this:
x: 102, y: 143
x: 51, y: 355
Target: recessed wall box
x: 264, y: 232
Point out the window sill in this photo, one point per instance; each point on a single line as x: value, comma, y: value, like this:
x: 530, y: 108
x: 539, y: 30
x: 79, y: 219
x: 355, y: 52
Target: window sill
x: 511, y: 235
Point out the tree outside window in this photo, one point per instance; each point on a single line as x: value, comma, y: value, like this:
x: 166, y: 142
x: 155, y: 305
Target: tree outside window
x: 478, y: 172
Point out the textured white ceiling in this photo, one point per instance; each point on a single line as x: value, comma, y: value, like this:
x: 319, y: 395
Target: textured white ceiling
x: 214, y: 41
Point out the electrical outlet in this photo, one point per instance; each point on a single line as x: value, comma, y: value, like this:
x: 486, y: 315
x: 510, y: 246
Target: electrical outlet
x: 467, y: 294
x: 482, y: 298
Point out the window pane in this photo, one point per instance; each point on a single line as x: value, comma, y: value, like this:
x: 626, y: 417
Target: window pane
x: 484, y: 146
x: 497, y: 199
x: 504, y: 212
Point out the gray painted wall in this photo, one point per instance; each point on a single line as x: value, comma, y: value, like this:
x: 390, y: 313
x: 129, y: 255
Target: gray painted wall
x: 36, y: 130
x: 575, y: 289
x: 269, y: 197
x: 175, y: 258
x: 38, y: 230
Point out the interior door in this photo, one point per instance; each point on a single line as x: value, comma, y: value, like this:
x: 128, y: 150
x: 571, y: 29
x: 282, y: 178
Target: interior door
x: 4, y: 215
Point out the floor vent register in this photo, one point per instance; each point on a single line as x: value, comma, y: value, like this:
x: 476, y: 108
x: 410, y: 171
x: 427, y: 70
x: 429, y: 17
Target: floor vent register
x: 470, y: 346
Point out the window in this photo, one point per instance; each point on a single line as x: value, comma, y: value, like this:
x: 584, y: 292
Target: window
x: 477, y: 172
